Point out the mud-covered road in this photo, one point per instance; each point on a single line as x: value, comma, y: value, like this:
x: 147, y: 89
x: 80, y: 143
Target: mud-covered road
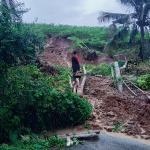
x: 109, y: 142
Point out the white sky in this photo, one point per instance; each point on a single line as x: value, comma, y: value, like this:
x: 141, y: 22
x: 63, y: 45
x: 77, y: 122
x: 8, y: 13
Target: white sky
x: 71, y: 12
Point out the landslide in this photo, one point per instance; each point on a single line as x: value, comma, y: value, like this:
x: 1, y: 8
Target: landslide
x: 109, y: 107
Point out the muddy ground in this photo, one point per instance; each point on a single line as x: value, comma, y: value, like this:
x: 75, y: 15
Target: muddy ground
x: 109, y: 107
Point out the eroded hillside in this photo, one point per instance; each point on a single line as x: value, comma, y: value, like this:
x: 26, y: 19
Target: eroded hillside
x: 130, y: 113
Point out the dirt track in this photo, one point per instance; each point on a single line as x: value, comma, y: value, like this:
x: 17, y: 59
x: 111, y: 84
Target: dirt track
x: 109, y: 107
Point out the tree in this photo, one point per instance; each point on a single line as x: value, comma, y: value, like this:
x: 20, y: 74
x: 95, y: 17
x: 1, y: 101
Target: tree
x: 17, y: 40
x: 138, y: 20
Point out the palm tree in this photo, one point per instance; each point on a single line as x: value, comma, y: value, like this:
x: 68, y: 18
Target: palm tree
x: 139, y: 20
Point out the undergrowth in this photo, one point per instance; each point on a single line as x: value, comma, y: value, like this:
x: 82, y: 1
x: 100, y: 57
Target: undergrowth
x: 31, y: 101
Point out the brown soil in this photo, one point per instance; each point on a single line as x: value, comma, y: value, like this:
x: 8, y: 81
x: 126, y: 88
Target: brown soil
x: 109, y: 106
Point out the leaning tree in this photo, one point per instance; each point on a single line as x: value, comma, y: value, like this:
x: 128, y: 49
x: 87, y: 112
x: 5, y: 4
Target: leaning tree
x: 138, y: 20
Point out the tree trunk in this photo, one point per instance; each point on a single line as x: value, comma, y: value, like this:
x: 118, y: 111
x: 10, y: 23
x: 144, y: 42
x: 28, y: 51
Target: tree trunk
x: 118, y: 77
x: 141, y: 54
x: 90, y: 133
x: 80, y: 90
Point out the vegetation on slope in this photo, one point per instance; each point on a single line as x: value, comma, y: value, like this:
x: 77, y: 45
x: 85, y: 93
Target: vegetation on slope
x: 30, y: 100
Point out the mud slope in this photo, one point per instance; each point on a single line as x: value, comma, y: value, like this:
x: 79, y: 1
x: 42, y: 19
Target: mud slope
x: 109, y: 107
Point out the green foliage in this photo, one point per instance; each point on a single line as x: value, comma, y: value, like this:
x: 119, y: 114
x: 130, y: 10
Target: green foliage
x: 93, y: 37
x: 85, y: 125
x: 76, y: 141
x: 121, y: 63
x: 143, y: 67
x: 77, y: 43
x: 28, y: 98
x: 60, y: 80
x: 102, y: 69
x: 144, y: 81
x: 116, y: 126
x: 119, y: 78
x: 30, y: 101
x: 35, y: 144
x: 13, y: 135
x: 18, y: 41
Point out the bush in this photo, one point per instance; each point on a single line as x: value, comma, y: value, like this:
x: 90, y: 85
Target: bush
x: 30, y: 102
x: 102, y: 69
x: 30, y: 143
x: 144, y: 81
x: 121, y: 63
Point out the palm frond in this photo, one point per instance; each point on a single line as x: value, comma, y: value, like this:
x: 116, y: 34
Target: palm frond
x: 132, y: 3
x: 146, y: 30
x: 129, y: 3
x: 113, y: 26
x: 107, y: 16
x: 146, y: 10
x: 119, y: 35
x: 122, y: 20
x: 133, y: 33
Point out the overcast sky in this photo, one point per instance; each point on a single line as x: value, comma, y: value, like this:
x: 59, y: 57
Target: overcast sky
x: 71, y: 12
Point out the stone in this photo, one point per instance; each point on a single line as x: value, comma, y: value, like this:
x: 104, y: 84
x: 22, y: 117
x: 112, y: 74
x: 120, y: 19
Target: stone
x: 108, y: 128
x: 131, y: 122
x: 110, y: 113
x: 146, y: 137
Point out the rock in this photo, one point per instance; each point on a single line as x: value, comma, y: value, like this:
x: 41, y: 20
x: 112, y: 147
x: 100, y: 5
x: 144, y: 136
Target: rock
x: 109, y: 123
x: 96, y: 106
x: 108, y: 128
x: 110, y: 113
x: 137, y: 136
x: 123, y: 130
x: 146, y: 137
x: 129, y: 133
x: 132, y: 97
x: 131, y: 122
x: 114, y: 119
x: 97, y: 126
x: 143, y: 131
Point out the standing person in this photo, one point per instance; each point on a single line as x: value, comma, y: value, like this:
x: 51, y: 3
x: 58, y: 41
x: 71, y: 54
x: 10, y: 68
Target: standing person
x: 75, y: 68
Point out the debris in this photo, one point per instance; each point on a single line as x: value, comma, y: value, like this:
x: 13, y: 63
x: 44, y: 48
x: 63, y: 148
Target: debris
x: 88, y: 134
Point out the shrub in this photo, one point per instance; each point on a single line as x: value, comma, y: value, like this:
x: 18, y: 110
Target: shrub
x: 121, y: 63
x: 102, y: 69
x: 30, y: 102
x: 144, y: 81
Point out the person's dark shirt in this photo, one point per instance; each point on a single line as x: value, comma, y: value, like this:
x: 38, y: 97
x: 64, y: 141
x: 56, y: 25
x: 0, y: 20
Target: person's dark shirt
x: 75, y: 63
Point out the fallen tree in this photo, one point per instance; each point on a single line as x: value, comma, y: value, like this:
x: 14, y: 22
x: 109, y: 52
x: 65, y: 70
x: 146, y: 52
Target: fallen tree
x: 80, y: 90
x: 88, y: 134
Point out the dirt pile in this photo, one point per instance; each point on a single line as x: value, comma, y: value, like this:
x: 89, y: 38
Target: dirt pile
x: 111, y: 108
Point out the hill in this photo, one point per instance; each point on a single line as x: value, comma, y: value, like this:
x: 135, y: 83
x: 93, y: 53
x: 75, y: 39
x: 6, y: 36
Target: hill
x: 111, y: 110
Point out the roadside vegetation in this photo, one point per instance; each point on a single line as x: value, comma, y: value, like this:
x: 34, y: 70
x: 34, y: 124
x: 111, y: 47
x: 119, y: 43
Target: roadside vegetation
x: 29, y: 99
